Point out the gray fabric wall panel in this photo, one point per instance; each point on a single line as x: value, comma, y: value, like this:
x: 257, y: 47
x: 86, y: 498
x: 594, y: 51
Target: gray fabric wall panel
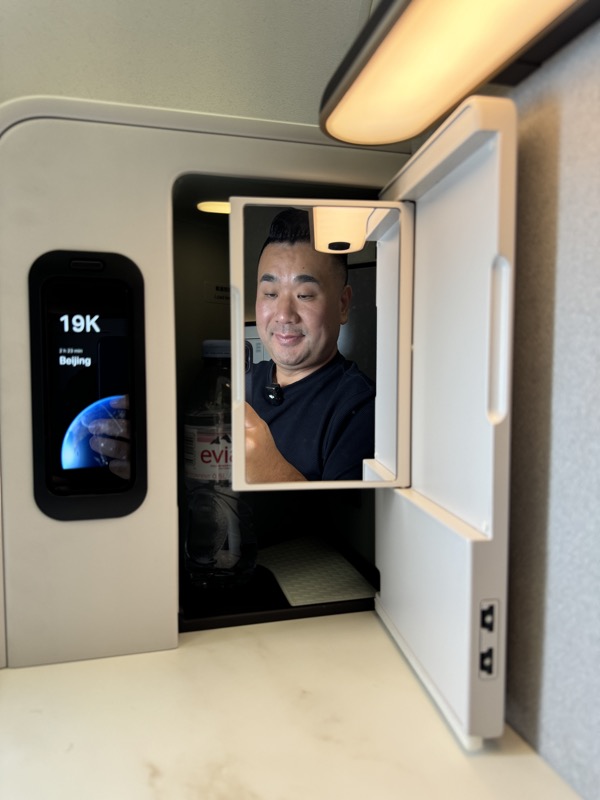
x: 554, y: 622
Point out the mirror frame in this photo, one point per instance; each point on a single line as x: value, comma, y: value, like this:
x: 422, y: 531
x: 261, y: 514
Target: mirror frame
x: 390, y: 466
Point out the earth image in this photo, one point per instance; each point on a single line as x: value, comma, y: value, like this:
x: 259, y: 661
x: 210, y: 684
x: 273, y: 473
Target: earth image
x: 75, y: 451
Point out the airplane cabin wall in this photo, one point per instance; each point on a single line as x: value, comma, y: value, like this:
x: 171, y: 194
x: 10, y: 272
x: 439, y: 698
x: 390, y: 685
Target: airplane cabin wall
x: 553, y: 692
x: 112, y: 52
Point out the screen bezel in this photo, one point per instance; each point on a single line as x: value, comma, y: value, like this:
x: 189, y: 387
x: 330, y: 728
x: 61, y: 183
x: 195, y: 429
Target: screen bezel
x: 94, y: 492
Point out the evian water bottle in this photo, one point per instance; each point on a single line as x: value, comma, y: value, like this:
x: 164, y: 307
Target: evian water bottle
x: 219, y: 548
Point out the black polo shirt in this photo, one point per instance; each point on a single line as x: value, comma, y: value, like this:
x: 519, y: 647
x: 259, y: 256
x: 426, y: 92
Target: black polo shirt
x: 325, y: 425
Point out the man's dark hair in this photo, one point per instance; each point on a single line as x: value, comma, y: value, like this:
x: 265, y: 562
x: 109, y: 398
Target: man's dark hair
x: 292, y: 225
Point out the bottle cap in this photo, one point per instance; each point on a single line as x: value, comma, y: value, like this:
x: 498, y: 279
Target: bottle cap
x: 216, y: 348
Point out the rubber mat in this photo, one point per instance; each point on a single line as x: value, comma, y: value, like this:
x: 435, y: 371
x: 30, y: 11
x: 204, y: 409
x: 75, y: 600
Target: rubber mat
x: 310, y: 571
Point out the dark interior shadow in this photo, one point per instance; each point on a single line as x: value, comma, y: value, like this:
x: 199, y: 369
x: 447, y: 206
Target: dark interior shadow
x: 344, y: 519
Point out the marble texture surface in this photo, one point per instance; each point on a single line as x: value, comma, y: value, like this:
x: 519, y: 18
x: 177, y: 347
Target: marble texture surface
x: 296, y: 710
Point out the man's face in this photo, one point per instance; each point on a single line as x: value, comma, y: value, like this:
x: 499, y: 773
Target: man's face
x: 301, y: 301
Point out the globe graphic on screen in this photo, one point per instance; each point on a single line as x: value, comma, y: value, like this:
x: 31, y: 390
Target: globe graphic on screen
x: 76, y: 452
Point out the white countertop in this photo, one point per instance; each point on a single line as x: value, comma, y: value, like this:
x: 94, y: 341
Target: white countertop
x: 297, y: 710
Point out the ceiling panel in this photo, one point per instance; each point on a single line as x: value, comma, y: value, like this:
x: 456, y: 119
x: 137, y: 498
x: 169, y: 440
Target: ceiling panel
x: 266, y: 59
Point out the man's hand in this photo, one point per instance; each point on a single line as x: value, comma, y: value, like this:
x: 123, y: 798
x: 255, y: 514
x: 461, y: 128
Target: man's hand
x: 264, y: 462
x: 111, y: 439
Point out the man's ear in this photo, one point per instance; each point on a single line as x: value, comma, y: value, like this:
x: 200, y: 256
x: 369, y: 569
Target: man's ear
x: 345, y: 300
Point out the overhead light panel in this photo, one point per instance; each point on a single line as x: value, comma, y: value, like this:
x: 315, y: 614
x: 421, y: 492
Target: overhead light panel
x: 417, y: 59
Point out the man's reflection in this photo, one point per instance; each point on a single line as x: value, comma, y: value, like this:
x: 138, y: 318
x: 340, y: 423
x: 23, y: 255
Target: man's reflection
x: 310, y: 412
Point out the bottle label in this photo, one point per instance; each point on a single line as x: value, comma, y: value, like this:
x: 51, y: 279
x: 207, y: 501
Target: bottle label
x: 207, y: 454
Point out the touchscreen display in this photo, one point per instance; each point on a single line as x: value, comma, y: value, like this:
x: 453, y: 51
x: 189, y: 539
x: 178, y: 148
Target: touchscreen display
x: 87, y: 377
x: 89, y: 381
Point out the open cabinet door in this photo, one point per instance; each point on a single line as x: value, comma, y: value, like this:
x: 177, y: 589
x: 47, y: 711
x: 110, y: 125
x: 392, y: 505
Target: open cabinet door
x: 388, y: 227
x: 441, y: 546
x: 444, y: 351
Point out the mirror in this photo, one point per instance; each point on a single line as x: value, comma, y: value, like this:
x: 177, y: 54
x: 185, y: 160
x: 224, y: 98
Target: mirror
x: 315, y: 342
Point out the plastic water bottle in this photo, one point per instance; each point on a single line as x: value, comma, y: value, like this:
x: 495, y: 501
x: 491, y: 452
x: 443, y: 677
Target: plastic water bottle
x: 219, y: 546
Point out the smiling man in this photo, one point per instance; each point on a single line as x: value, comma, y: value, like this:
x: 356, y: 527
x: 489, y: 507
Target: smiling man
x: 310, y: 412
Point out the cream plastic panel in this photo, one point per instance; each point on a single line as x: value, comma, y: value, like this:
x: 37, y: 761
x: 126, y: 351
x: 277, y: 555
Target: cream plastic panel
x: 93, y: 176
x: 439, y: 563
x: 442, y: 544
x: 2, y: 611
x: 391, y: 465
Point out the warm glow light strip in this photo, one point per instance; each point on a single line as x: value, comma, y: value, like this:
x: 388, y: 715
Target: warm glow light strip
x: 435, y: 55
x: 214, y: 207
